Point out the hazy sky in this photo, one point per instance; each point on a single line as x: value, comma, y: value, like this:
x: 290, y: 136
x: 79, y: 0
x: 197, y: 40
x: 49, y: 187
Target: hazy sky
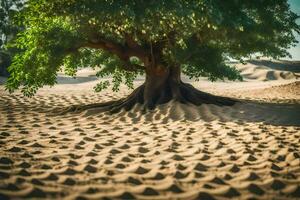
x: 295, y: 52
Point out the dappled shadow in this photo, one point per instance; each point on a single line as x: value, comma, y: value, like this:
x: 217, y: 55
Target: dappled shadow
x: 243, y: 112
x: 197, y: 140
x: 267, y: 113
x: 164, y: 146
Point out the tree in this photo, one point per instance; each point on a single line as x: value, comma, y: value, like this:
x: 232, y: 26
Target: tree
x: 8, y: 31
x: 159, y: 38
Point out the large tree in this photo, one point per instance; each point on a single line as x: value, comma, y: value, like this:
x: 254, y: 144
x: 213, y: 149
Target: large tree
x: 159, y: 38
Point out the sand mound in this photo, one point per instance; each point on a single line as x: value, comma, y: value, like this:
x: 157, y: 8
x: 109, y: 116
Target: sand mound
x: 291, y: 88
x: 288, y: 93
x: 266, y: 70
x: 276, y: 92
x: 267, y: 113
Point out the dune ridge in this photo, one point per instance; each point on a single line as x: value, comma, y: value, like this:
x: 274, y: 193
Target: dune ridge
x: 266, y: 70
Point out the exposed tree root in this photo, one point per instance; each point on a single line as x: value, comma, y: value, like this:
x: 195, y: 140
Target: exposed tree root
x: 182, y: 92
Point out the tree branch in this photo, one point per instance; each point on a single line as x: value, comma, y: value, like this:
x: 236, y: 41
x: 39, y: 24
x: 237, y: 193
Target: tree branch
x: 132, y: 67
x: 111, y: 47
x: 123, y: 52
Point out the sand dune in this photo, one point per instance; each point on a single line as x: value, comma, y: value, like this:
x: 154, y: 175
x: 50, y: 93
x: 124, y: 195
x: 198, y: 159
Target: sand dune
x: 266, y: 70
x: 248, y: 151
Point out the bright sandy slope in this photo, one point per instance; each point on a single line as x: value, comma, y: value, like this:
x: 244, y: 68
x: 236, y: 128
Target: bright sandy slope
x: 251, y: 149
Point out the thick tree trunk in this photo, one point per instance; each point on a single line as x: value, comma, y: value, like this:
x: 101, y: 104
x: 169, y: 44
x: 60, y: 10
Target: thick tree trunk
x: 164, y: 84
x: 161, y: 86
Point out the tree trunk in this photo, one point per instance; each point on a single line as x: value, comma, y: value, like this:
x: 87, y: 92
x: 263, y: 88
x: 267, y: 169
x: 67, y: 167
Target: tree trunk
x: 162, y: 85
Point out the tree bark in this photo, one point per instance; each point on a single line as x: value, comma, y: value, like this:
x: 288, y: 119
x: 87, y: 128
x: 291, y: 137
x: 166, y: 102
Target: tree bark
x: 161, y: 85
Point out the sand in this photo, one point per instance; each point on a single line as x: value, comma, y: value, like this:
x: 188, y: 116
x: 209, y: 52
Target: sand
x: 250, y: 150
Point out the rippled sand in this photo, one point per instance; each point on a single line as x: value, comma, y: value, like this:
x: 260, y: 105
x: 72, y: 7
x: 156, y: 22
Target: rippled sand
x: 249, y: 150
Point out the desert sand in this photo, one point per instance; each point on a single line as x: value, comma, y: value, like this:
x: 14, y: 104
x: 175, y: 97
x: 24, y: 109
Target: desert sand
x: 247, y: 151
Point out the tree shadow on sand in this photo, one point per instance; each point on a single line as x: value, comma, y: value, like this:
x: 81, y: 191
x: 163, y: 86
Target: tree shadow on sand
x: 242, y: 112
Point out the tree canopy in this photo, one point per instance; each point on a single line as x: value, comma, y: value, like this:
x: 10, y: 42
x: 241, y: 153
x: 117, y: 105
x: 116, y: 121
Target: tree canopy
x: 123, y: 37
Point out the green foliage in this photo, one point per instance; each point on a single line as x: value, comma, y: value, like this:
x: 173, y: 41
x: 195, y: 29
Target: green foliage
x: 198, y: 35
x: 44, y: 47
x: 101, y: 86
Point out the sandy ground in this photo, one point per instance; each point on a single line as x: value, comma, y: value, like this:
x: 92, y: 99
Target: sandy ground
x: 248, y: 151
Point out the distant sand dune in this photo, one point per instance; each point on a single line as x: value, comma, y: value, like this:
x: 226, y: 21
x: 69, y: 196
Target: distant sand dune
x: 265, y: 70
